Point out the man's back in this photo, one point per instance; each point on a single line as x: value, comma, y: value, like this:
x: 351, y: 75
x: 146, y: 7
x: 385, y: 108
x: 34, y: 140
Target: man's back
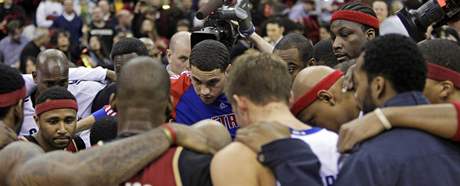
x: 402, y: 157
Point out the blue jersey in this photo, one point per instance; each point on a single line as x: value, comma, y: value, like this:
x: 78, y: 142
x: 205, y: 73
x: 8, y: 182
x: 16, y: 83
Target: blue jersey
x: 189, y: 109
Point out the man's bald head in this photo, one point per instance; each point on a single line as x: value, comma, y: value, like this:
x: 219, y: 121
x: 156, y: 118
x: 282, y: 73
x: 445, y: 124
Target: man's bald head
x: 308, y: 78
x: 52, y: 69
x: 330, y: 108
x: 143, y: 91
x: 180, y: 39
x: 179, y: 51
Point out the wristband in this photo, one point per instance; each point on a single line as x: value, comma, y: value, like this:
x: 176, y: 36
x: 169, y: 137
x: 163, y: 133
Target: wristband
x: 103, y: 113
x: 382, y: 118
x: 248, y: 32
x: 170, y: 133
x: 457, y: 108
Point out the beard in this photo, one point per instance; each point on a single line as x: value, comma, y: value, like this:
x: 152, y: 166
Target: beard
x: 19, y: 118
x: 368, y: 104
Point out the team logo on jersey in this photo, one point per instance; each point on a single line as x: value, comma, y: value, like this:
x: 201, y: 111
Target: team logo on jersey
x: 223, y: 106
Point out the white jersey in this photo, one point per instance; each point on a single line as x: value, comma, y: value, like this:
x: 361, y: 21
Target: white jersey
x: 323, y: 143
x: 84, y: 92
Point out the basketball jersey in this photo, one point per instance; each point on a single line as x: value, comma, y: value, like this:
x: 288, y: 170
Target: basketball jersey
x: 189, y: 109
x: 323, y: 144
x: 84, y: 92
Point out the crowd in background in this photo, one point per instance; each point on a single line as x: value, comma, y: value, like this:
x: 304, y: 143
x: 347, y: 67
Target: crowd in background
x: 85, y: 30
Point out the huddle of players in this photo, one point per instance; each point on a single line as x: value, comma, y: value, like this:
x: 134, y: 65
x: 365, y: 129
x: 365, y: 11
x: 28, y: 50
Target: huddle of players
x: 276, y: 141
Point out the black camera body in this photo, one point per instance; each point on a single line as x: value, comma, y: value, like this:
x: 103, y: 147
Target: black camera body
x: 435, y: 12
x: 218, y: 26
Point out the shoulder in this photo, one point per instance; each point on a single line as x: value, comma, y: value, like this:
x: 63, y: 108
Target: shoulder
x: 235, y: 156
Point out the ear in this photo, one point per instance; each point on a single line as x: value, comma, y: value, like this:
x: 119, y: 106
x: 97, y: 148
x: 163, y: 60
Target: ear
x: 447, y: 88
x: 34, y: 76
x: 241, y: 102
x: 227, y: 70
x: 370, y: 34
x: 378, y: 87
x: 291, y: 99
x: 311, y: 62
x: 326, y: 97
x: 168, y: 55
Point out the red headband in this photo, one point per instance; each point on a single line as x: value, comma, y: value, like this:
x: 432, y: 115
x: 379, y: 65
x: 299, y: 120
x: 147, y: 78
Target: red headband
x: 308, y: 98
x: 440, y: 73
x: 11, y: 98
x: 357, y: 17
x: 55, y: 104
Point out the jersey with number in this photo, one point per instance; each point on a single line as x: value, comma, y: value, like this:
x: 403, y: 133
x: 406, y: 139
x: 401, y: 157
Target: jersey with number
x: 323, y: 143
x: 84, y: 92
x: 189, y: 109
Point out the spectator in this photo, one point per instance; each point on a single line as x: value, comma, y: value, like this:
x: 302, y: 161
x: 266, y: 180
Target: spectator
x: 324, y: 32
x: 12, y: 45
x: 275, y: 30
x: 97, y: 53
x: 148, y: 29
x: 47, y: 12
x: 153, y: 50
x: 124, y: 21
x: 29, y: 66
x: 61, y: 41
x: 9, y: 11
x: 70, y: 22
x: 100, y: 28
x: 381, y: 9
x: 106, y: 12
x: 33, y: 48
x: 301, y: 9
x: 183, y: 25
x: 178, y: 53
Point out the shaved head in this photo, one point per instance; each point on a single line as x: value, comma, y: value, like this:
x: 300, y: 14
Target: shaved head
x: 180, y: 39
x: 308, y: 78
x: 143, y: 94
x: 331, y: 107
x: 52, y: 70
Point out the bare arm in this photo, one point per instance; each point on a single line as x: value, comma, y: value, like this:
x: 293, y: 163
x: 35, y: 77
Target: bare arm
x: 110, y: 164
x: 261, y: 44
x: 85, y: 123
x: 439, y: 120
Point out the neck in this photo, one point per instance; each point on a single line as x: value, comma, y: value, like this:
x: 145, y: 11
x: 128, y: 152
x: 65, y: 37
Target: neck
x: 455, y: 96
x: 8, y: 135
x: 99, y: 23
x: 387, y: 95
x: 276, y: 112
x: 43, y: 144
x: 138, y: 120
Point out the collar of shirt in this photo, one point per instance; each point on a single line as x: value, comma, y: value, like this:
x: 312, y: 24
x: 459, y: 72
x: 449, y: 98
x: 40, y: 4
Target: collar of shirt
x: 407, y: 99
x: 69, y: 17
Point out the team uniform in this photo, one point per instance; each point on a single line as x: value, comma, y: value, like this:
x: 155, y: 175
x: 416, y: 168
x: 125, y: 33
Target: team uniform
x: 176, y: 167
x: 189, y: 109
x: 323, y: 144
x: 84, y: 92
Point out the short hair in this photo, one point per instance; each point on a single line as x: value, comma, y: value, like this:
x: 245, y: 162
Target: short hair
x: 261, y: 77
x: 275, y: 20
x: 127, y: 46
x: 55, y: 93
x: 150, y: 76
x: 442, y: 52
x: 324, y: 54
x: 10, y: 80
x: 298, y: 41
x: 361, y: 7
x: 398, y: 59
x: 209, y: 55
